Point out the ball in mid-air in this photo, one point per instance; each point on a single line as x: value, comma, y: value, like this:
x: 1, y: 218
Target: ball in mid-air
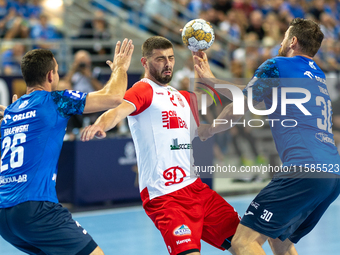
x: 198, y: 35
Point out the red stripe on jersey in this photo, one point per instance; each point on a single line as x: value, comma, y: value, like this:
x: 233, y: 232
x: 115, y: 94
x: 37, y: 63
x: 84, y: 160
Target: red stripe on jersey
x: 192, y: 101
x: 140, y: 95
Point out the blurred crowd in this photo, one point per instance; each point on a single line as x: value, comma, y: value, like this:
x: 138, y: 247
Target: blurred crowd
x: 248, y: 32
x: 255, y: 28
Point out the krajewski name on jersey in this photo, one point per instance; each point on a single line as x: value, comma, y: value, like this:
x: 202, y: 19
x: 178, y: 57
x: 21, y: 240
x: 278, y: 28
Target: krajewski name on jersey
x: 15, y: 130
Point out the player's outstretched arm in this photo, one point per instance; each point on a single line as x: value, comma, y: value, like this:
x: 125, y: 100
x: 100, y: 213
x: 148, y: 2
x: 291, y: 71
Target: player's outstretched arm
x: 107, y: 121
x: 3, y: 108
x: 220, y: 124
x: 202, y: 68
x: 111, y: 95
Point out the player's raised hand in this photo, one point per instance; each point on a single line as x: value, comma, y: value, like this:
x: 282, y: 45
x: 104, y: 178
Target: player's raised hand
x: 14, y: 98
x: 123, y: 54
x: 3, y: 108
x: 201, y: 65
x: 204, y: 132
x: 2, y: 112
x: 92, y: 131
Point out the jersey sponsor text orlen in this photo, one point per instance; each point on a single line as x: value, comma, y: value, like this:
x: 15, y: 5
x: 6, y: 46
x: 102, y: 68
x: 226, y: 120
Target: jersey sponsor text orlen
x: 17, y: 117
x: 160, y: 122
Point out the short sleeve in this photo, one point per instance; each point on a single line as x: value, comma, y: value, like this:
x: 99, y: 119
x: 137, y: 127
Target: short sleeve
x: 140, y: 95
x: 69, y: 102
x: 265, y: 78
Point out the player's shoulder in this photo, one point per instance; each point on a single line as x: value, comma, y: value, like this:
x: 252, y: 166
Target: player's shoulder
x: 142, y: 84
x: 142, y: 88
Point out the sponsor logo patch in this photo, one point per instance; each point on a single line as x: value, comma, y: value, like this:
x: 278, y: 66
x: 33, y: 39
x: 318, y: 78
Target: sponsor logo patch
x: 182, y: 231
x: 176, y: 146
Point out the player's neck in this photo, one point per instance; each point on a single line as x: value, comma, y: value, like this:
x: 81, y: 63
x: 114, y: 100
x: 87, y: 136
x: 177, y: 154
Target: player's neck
x: 150, y: 77
x: 35, y: 88
x: 296, y: 53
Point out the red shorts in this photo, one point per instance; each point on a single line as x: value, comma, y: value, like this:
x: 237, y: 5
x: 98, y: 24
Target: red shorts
x: 190, y: 214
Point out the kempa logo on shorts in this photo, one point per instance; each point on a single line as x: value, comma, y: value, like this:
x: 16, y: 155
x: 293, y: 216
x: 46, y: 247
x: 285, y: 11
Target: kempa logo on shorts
x: 182, y: 230
x: 176, y: 146
x: 183, y: 241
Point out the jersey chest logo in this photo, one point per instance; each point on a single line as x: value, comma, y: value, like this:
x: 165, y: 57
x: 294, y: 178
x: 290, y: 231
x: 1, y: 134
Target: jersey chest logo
x: 171, y: 120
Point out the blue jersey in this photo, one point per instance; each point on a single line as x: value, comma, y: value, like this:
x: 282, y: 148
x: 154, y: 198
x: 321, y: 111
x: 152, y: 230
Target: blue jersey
x: 32, y: 135
x: 303, y: 135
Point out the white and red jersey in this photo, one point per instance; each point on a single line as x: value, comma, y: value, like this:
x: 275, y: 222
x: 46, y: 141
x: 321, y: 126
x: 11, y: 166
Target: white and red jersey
x: 160, y: 128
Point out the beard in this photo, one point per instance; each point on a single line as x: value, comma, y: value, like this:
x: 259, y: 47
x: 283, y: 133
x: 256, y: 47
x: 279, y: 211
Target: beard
x: 163, y: 79
x: 283, y: 51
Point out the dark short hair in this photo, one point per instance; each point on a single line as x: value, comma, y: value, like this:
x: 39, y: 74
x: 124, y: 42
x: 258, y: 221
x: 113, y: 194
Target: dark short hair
x: 35, y: 65
x: 308, y: 34
x: 155, y: 43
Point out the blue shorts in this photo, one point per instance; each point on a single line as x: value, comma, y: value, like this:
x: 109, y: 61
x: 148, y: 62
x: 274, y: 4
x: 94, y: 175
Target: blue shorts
x: 290, y: 208
x: 36, y: 227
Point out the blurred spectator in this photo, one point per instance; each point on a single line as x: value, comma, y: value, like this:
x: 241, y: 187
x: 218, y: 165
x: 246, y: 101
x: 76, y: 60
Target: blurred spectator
x: 294, y: 8
x: 17, y: 25
x: 249, y: 54
x: 34, y: 10
x: 7, y: 13
x: 264, y: 6
x: 329, y: 27
x: 271, y: 27
x: 43, y: 30
x: 197, y: 6
x: 231, y: 27
x: 96, y: 28
x: 330, y: 57
x: 210, y: 15
x: 317, y: 8
x: 332, y: 7
x: 245, y: 6
x: 276, y: 6
x: 256, y: 24
x: 156, y: 15
x: 11, y: 59
x: 21, y: 7
x: 223, y: 5
x: 81, y: 76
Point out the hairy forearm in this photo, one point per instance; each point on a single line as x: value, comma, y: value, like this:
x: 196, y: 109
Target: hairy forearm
x: 117, y: 83
x: 108, y: 120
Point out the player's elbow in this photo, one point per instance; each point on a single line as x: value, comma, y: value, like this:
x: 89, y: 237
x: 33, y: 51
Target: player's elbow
x: 116, y: 100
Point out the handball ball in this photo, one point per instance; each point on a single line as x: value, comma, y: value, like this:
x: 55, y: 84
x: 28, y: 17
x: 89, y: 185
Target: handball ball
x: 198, y: 35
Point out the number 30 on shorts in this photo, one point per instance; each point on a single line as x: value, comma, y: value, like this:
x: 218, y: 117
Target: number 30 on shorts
x: 266, y: 215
